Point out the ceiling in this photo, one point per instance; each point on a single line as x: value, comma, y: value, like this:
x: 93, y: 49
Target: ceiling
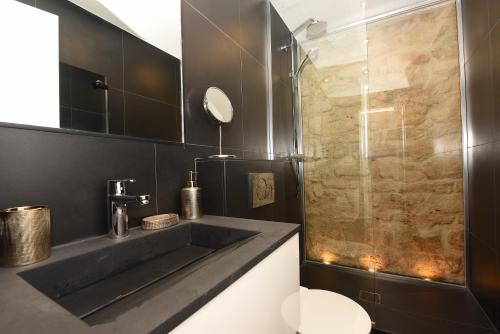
x: 337, y: 13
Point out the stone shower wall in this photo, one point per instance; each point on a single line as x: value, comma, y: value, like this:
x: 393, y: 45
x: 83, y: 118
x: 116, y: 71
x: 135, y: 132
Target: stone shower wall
x: 383, y: 141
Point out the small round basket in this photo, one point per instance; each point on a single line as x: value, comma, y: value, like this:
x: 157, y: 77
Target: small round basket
x: 160, y: 221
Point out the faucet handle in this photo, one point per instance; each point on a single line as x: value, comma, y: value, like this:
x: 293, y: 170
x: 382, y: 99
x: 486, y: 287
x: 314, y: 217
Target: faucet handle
x: 117, y: 187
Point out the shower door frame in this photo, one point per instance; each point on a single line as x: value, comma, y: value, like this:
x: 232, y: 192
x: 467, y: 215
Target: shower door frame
x: 298, y: 126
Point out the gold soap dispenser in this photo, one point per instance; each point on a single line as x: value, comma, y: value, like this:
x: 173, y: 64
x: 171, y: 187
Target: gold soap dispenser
x: 191, y: 198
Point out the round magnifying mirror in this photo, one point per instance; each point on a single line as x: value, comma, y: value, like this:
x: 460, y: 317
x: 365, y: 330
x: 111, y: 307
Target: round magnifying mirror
x: 218, y: 105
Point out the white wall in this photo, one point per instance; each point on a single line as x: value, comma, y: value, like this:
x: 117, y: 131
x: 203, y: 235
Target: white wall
x: 157, y: 22
x: 265, y: 300
x: 29, y: 65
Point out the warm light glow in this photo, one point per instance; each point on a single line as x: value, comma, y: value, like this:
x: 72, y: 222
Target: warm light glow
x: 328, y: 257
x: 363, y: 4
x: 371, y: 262
x: 428, y: 271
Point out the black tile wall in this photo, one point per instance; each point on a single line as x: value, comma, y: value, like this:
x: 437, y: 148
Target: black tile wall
x: 282, y: 85
x: 494, y: 8
x: 481, y: 201
x: 254, y: 104
x: 68, y: 172
x: 481, y: 117
x: 476, y: 23
x: 225, y: 14
x: 253, y: 22
x: 210, y: 59
x: 147, y: 118
x: 150, y: 72
x: 484, y: 275
x: 482, y: 48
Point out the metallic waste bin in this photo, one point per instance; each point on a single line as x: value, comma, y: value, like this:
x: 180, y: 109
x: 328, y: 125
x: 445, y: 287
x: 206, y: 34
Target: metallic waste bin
x: 24, y: 235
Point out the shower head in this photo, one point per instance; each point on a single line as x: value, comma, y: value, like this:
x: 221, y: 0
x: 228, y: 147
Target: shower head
x: 312, y: 54
x: 304, y: 25
x: 314, y: 28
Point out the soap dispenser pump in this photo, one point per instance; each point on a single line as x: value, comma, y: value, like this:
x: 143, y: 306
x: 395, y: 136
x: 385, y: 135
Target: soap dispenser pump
x: 191, y: 198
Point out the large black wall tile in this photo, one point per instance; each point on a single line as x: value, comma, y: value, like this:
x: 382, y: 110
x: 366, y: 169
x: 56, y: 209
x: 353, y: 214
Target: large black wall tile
x: 495, y: 60
x: 484, y: 275
x: 280, y: 37
x: 395, y: 321
x: 69, y: 173
x: 173, y: 163
x: 253, y: 16
x: 475, y: 24
x: 481, y: 192
x: 446, y: 302
x: 65, y: 117
x: 148, y: 118
x: 223, y: 13
x: 84, y: 94
x: 480, y: 115
x: 494, y: 7
x: 116, y: 109
x: 88, y: 121
x: 65, y: 85
x: 282, y: 118
x: 254, y: 104
x: 212, y: 183
x: 210, y: 59
x: 496, y: 223
x: 150, y: 71
x: 86, y: 41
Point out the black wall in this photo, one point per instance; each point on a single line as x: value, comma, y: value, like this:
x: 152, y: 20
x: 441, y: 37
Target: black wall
x: 223, y: 45
x: 281, y: 61
x: 482, y: 51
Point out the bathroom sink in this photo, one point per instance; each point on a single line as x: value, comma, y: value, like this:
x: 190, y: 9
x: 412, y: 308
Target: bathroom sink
x: 89, y: 282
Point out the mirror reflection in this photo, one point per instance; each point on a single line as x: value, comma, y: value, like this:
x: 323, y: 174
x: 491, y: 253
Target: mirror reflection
x: 119, y: 73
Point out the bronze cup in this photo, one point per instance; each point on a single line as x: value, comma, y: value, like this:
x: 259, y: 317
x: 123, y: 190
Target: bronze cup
x: 24, y: 235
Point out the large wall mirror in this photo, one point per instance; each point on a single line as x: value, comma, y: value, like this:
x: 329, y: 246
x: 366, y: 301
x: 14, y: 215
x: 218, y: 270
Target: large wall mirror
x: 105, y: 66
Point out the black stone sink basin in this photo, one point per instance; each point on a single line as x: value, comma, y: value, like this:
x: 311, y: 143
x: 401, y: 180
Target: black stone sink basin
x: 88, y: 283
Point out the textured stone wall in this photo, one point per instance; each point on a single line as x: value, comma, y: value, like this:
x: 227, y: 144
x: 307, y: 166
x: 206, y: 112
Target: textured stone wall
x: 383, y: 141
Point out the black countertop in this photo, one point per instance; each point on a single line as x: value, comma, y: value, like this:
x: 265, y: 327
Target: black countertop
x: 160, y: 308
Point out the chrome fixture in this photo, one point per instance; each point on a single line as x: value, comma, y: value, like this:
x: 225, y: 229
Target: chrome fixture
x: 117, y: 207
x: 305, y: 25
x: 310, y: 55
x: 218, y: 107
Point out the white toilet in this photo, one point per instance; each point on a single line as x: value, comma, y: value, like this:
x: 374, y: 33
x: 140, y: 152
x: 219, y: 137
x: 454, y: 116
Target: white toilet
x: 326, y: 312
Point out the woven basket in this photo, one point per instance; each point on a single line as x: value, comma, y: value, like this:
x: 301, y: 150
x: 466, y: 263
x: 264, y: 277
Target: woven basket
x: 160, y: 221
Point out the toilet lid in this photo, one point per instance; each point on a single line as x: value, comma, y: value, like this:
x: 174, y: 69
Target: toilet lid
x: 326, y: 312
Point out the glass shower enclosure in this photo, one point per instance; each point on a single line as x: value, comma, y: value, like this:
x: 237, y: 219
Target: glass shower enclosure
x: 378, y: 124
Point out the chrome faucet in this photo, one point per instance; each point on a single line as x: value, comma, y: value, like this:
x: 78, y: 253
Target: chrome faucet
x: 117, y: 207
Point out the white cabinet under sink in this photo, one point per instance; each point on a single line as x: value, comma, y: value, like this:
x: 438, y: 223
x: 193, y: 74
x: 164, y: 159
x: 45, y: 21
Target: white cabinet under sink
x: 265, y: 300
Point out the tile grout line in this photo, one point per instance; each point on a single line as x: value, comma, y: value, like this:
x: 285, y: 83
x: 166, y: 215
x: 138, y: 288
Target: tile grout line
x: 223, y: 32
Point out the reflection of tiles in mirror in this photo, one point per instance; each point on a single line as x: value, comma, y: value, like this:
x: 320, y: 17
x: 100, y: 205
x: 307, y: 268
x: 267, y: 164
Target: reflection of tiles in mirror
x: 83, y: 99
